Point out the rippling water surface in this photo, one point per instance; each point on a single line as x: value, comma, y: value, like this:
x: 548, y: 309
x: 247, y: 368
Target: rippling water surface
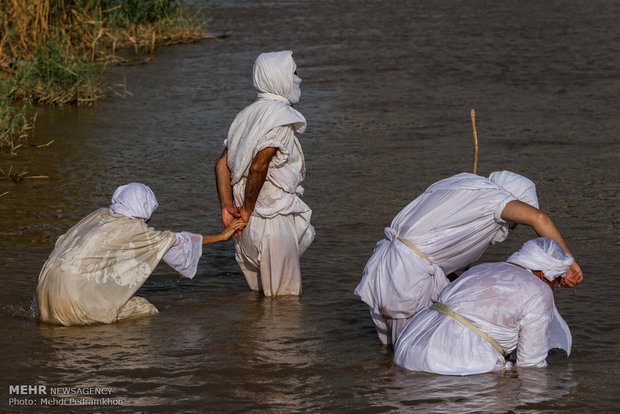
x: 387, y: 89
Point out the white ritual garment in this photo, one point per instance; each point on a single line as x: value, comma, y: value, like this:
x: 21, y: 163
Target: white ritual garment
x: 508, y: 303
x: 279, y: 229
x: 97, y: 266
x: 452, y: 223
x: 184, y: 254
x: 273, y: 77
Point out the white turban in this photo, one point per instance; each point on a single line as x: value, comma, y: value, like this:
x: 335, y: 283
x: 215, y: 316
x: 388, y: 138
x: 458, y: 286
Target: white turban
x: 134, y: 200
x: 545, y: 255
x: 521, y: 187
x: 273, y: 74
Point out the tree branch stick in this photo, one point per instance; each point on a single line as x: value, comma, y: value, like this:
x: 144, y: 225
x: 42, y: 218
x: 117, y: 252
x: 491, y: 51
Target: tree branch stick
x: 43, y: 145
x: 473, y: 125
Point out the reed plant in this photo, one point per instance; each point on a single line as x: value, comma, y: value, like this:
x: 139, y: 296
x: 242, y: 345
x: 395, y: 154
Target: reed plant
x: 56, y: 51
x: 15, y: 119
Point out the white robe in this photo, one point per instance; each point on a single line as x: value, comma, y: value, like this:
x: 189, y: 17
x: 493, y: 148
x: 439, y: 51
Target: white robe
x: 508, y: 303
x: 97, y: 266
x: 279, y: 229
x: 452, y: 223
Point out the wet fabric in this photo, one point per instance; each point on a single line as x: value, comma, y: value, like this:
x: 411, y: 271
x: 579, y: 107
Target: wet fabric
x: 279, y: 229
x: 452, y: 223
x: 184, y: 254
x: 545, y: 255
x: 98, y: 265
x: 268, y: 252
x: 508, y: 303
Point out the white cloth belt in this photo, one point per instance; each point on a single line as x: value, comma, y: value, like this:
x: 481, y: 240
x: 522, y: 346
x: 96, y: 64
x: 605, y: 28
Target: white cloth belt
x: 440, y: 307
x: 415, y: 249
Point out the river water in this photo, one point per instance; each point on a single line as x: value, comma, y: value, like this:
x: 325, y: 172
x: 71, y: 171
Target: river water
x: 387, y: 90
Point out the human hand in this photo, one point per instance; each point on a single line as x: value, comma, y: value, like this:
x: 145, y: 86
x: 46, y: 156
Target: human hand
x: 235, y: 226
x: 229, y: 214
x: 573, y: 277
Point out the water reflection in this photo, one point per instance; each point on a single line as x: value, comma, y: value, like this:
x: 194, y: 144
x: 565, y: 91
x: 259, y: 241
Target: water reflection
x: 271, y: 331
x: 115, y: 356
x: 503, y: 391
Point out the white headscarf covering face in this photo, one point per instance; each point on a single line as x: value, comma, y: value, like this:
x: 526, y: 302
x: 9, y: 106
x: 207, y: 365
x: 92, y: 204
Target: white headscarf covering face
x: 275, y: 79
x: 521, y: 187
x: 134, y: 200
x: 273, y: 75
x: 296, y: 93
x: 545, y: 255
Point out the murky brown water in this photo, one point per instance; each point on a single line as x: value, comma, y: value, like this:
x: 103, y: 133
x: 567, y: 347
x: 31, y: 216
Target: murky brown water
x: 387, y: 91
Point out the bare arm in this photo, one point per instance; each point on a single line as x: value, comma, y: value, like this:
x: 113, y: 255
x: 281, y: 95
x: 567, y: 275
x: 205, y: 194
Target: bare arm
x: 521, y: 213
x: 256, y: 179
x: 224, y: 190
x: 225, y: 234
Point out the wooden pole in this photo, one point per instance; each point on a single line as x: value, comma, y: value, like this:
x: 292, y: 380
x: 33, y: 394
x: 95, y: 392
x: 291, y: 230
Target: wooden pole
x: 44, y: 145
x: 473, y: 125
x: 21, y: 177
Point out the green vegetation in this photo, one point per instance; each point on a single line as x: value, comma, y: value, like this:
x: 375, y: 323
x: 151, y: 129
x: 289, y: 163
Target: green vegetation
x: 56, y: 51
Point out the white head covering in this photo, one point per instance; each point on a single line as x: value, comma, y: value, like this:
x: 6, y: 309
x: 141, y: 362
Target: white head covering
x: 521, y: 187
x: 295, y: 95
x: 545, y: 255
x: 134, y: 200
x: 273, y: 75
x: 274, y: 78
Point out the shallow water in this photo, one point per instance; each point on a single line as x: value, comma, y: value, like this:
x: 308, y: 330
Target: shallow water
x: 387, y: 88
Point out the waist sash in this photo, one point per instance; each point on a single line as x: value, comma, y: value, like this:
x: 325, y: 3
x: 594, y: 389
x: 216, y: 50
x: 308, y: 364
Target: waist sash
x: 440, y: 307
x: 415, y: 249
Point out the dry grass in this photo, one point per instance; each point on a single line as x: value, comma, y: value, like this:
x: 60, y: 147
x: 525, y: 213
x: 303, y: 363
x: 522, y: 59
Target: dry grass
x: 56, y: 51
x: 27, y: 24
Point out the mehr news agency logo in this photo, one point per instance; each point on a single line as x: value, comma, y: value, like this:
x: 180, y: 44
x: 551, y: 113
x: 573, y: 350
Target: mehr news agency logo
x: 42, y: 395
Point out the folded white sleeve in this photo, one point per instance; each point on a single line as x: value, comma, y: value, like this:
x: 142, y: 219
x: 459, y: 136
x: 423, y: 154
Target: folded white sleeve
x: 185, y: 253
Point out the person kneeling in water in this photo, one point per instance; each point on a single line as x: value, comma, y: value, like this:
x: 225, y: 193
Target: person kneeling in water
x: 98, y: 265
x: 490, y: 311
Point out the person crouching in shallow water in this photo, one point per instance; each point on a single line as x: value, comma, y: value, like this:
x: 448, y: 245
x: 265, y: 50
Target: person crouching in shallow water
x: 489, y: 312
x: 444, y: 230
x: 258, y: 179
x: 97, y: 266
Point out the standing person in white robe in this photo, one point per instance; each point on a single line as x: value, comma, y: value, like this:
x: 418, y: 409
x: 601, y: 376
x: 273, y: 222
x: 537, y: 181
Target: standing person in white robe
x: 258, y: 179
x: 97, y: 266
x: 445, y: 229
x: 490, y: 311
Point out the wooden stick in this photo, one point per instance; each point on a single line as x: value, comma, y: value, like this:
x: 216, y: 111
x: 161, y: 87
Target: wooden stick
x: 5, y: 193
x: 473, y: 125
x: 43, y: 145
x: 19, y: 177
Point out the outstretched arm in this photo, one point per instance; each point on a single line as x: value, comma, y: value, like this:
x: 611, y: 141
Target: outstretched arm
x: 225, y: 234
x: 256, y: 179
x: 521, y: 213
x: 224, y: 190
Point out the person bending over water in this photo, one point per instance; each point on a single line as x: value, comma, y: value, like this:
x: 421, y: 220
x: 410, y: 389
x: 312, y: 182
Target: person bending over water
x: 98, y: 265
x: 446, y: 229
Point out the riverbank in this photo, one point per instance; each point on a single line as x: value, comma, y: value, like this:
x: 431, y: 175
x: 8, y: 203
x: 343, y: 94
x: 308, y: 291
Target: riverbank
x: 57, y: 51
